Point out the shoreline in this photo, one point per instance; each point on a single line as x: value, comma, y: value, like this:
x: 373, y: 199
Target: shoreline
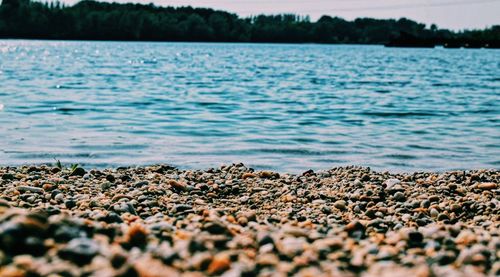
x: 233, y: 221
x: 382, y: 45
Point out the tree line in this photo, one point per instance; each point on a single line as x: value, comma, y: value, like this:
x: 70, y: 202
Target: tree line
x: 91, y: 20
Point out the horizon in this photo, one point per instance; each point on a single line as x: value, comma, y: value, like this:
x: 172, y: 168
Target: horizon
x: 447, y: 14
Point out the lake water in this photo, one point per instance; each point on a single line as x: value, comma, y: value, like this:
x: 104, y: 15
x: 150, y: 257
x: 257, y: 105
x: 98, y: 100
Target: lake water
x: 281, y: 107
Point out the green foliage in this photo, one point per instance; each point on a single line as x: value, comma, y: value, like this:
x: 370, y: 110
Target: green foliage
x: 71, y: 168
x: 91, y: 20
x: 59, y: 164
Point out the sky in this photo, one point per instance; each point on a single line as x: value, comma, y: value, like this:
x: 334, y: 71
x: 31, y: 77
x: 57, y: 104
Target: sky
x: 451, y: 14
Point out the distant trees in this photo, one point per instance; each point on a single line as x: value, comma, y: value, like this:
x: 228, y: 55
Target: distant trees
x: 91, y: 20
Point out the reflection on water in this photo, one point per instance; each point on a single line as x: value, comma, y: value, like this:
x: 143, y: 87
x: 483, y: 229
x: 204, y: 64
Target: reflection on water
x: 283, y: 107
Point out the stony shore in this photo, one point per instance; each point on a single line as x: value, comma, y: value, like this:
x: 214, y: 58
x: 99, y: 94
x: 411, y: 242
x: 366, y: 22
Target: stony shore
x: 234, y: 221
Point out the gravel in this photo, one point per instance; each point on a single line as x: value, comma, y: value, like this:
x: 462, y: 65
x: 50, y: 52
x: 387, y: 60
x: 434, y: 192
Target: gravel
x: 235, y: 221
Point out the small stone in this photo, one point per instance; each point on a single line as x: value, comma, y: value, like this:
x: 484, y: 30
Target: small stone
x: 242, y: 220
x: 248, y: 175
x: 125, y: 207
x: 177, y: 185
x: 340, y: 204
x: 136, y: 235
x: 244, y: 199
x: 182, y: 207
x: 78, y: 172
x: 149, y: 267
x: 80, y: 251
x: 215, y: 227
x: 106, y: 186
x: 266, y: 174
x: 110, y: 178
x: 199, y: 201
x: 288, y: 198
x: 220, y: 263
x: 4, y: 203
x: 425, y: 204
x: 487, y: 186
x: 415, y: 239
x: 70, y: 204
x: 391, y: 182
x: 442, y: 217
x: 268, y: 259
x: 355, y: 229
x: 29, y: 189
x: 200, y: 261
x: 434, y: 199
x: 452, y: 187
x: 250, y: 215
x: 59, y: 197
x: 120, y: 196
x: 294, y: 231
x: 433, y: 212
x: 399, y: 196
x: 371, y: 213
x: 455, y: 208
x: 445, y: 258
x: 326, y: 210
x: 141, y: 184
x: 8, y: 177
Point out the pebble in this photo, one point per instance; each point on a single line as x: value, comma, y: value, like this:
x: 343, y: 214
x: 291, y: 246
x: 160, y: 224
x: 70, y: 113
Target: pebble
x: 29, y: 189
x: 70, y: 204
x: 434, y: 213
x: 399, y: 196
x: 391, y: 182
x: 248, y: 175
x: 487, y: 186
x: 442, y: 217
x: 78, y: 172
x: 340, y: 204
x: 8, y: 177
x: 80, y: 251
x: 141, y: 184
x: 220, y: 263
x: 59, y: 197
x: 177, y: 185
x: 110, y: 178
x: 266, y: 174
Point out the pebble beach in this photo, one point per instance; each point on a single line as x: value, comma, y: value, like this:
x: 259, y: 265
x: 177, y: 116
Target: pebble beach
x: 235, y: 221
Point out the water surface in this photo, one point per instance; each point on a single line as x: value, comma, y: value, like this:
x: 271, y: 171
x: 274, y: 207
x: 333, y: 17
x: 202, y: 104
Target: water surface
x: 280, y: 107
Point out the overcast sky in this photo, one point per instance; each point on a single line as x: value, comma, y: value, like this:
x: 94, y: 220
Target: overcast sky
x: 453, y: 14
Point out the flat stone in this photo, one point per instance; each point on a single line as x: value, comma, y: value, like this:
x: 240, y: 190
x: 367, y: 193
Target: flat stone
x: 80, y: 251
x: 29, y: 189
x: 487, y: 186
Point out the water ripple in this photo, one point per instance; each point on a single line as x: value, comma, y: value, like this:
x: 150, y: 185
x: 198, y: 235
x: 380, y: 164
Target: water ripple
x: 282, y: 107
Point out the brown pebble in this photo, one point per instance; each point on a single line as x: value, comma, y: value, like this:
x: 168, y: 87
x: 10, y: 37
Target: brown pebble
x: 219, y: 264
x: 340, y: 204
x: 243, y: 221
x: 11, y: 271
x: 177, y: 185
x: 120, y: 196
x: 487, y: 186
x: 149, y: 267
x: 266, y: 174
x: 136, y: 235
x: 248, y: 175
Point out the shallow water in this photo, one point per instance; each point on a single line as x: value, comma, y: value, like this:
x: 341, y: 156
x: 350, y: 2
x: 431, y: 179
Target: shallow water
x: 280, y: 107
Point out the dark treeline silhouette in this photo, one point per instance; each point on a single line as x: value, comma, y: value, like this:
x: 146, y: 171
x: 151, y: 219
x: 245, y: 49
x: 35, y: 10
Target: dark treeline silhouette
x: 90, y: 20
